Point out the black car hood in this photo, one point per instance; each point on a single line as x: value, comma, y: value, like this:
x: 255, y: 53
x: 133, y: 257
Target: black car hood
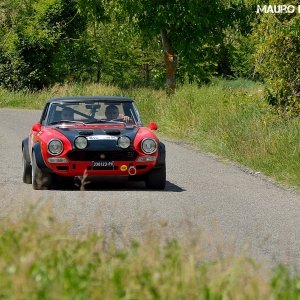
x: 99, y: 138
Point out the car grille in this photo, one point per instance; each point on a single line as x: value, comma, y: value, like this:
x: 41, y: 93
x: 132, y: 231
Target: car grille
x: 102, y: 155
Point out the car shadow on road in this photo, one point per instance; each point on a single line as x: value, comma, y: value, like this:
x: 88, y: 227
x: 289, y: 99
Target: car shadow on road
x: 116, y: 185
x: 172, y: 187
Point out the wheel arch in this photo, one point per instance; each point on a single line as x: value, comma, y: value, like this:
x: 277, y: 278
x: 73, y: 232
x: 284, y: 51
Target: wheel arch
x: 161, y: 155
x: 38, y: 156
x: 25, y: 147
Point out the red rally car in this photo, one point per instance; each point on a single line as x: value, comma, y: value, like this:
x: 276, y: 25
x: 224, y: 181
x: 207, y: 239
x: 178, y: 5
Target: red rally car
x: 92, y: 136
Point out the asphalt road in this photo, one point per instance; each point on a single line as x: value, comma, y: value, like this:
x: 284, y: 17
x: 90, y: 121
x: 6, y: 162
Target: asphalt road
x: 234, y: 209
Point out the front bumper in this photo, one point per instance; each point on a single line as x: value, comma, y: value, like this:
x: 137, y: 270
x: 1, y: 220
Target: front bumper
x: 65, y: 167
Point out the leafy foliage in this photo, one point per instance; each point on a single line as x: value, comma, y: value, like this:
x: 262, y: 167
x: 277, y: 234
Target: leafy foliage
x: 120, y: 56
x: 235, y: 55
x: 43, y: 42
x: 195, y: 28
x: 38, y: 34
x: 277, y: 59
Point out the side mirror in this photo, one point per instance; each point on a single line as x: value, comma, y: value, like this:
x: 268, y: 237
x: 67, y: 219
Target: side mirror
x: 153, y: 126
x: 36, y: 127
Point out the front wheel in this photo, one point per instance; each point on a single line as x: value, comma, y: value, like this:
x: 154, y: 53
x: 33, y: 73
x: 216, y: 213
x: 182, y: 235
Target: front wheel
x: 40, y: 179
x: 156, y: 179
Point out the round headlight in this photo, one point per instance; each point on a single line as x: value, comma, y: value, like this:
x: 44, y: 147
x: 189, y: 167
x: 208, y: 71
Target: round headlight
x: 81, y: 142
x: 124, y: 142
x: 149, y: 146
x: 55, y: 147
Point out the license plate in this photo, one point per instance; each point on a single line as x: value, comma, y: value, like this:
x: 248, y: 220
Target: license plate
x: 103, y: 164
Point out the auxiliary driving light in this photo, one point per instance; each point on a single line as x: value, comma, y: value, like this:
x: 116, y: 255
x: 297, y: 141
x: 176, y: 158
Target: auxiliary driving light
x: 124, y: 142
x: 81, y: 142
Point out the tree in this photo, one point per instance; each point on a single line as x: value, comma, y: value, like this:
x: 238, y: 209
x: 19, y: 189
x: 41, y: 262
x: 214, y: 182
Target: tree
x: 189, y: 30
x: 119, y: 56
x: 277, y: 58
x: 33, y: 36
x: 236, y: 50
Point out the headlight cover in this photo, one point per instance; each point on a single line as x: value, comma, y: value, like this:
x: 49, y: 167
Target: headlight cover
x: 124, y: 142
x: 55, y: 147
x: 81, y: 142
x: 149, y: 146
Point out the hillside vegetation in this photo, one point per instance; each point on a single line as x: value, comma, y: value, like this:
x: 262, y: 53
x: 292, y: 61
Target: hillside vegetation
x: 133, y: 43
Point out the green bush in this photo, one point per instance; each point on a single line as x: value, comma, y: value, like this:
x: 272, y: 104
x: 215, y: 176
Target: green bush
x: 278, y: 59
x: 38, y: 41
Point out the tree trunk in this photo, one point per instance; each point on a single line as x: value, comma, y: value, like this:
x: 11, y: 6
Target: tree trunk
x: 98, y: 73
x: 146, y: 74
x: 170, y: 62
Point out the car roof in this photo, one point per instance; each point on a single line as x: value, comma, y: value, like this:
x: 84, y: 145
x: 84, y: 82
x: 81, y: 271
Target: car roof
x: 90, y: 99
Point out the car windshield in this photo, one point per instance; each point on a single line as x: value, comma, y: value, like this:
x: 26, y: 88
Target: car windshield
x: 92, y: 112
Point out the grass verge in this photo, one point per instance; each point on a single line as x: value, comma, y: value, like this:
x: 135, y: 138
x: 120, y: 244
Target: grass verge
x: 228, y: 118
x: 232, y: 120
x: 39, y: 259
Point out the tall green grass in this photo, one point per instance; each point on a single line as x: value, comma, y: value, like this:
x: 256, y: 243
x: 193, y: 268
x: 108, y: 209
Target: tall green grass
x: 233, y: 120
x: 228, y: 118
x: 39, y: 259
x: 36, y: 100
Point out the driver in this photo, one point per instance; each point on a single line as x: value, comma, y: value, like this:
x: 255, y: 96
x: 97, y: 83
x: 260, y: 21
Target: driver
x: 112, y: 113
x: 67, y: 114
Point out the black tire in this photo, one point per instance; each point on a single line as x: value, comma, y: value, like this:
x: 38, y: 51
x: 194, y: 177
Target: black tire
x: 40, y: 179
x: 156, y: 179
x: 27, y: 172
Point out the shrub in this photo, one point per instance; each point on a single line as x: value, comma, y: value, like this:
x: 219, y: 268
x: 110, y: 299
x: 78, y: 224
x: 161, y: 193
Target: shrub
x: 277, y: 59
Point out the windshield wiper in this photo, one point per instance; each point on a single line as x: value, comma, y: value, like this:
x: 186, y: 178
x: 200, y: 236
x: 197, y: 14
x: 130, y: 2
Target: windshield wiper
x: 66, y: 121
x: 104, y: 121
x: 96, y: 121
